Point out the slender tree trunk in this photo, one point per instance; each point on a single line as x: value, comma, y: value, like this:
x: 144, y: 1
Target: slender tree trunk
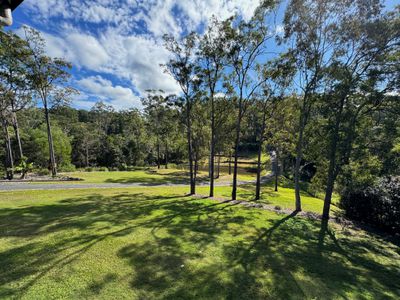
x: 236, y: 154
x: 53, y: 164
x: 158, y: 153
x: 196, y: 166
x: 212, y: 147
x: 304, y: 113
x: 299, y: 152
x: 258, y: 182
x: 230, y: 163
x: 260, y: 143
x: 219, y: 165
x: 166, y: 153
x: 209, y: 165
x: 328, y: 194
x: 332, y: 163
x: 87, y: 154
x: 190, y: 148
x: 17, y: 135
x: 9, y: 154
x: 299, y: 155
x: 276, y: 169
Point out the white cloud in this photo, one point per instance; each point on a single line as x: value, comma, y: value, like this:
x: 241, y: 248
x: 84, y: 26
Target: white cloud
x: 138, y: 59
x: 92, y: 11
x: 279, y: 29
x: 101, y: 89
x: 122, y: 38
x: 220, y: 95
x: 87, y: 50
x: 133, y: 58
x: 174, y: 16
x: 160, y: 16
x: 393, y: 93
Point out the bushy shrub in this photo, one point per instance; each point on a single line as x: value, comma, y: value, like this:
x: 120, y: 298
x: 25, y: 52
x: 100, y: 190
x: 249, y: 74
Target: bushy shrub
x: 123, y: 167
x: 378, y: 204
x: 68, y: 167
x: 24, y: 167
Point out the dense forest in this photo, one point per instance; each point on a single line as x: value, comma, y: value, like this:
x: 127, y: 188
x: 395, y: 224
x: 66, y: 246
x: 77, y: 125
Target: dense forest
x: 327, y: 105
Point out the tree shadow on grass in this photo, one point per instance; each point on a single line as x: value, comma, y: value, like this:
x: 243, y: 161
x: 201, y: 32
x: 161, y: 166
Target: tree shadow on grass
x: 304, y: 262
x: 285, y: 260
x: 193, y: 249
x: 118, y: 215
x: 96, y: 287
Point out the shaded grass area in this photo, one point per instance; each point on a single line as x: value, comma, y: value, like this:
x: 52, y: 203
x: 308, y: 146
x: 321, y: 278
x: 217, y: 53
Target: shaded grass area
x: 143, y: 243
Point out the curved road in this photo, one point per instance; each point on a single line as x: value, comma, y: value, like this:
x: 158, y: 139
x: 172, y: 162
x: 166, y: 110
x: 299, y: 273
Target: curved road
x: 28, y: 186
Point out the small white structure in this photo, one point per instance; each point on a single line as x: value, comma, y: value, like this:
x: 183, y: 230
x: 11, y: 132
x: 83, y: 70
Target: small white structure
x: 5, y: 14
x: 6, y: 8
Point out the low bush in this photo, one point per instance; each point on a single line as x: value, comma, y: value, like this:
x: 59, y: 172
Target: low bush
x: 96, y: 169
x: 378, y: 204
x: 67, y: 168
x: 123, y: 167
x: 24, y: 167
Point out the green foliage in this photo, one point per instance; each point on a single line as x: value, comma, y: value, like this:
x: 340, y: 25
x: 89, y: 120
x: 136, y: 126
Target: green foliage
x: 38, y: 147
x: 67, y: 168
x: 24, y: 166
x: 377, y: 203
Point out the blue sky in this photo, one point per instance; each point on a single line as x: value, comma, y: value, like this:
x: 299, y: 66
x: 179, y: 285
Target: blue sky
x: 116, y: 46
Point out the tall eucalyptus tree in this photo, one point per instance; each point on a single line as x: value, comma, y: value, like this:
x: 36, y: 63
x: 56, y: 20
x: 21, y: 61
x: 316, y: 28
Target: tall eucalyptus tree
x: 49, y: 77
x: 182, y: 67
x: 308, y: 25
x: 212, y: 60
x: 247, y: 44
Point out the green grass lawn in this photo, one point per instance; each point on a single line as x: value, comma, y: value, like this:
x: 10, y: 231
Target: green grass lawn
x: 157, y: 243
x: 149, y: 176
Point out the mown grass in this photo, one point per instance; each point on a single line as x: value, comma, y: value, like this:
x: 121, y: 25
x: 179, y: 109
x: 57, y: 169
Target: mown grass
x: 150, y: 176
x: 157, y: 243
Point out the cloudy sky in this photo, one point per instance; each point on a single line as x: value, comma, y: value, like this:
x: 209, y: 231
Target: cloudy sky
x: 116, y: 45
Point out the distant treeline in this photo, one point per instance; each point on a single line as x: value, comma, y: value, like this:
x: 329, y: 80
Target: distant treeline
x: 104, y: 137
